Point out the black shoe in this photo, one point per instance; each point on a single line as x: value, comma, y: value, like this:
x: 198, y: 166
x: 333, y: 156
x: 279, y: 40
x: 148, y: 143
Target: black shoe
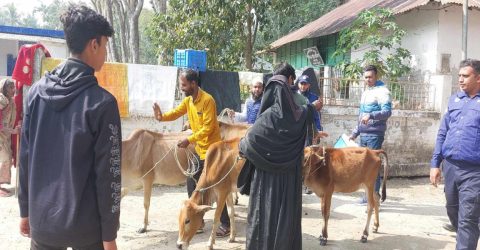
x: 307, y: 190
x: 449, y: 227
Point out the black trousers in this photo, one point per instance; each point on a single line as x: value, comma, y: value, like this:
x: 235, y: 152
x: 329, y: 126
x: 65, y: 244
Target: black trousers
x: 462, y: 192
x: 35, y: 245
x: 191, y: 185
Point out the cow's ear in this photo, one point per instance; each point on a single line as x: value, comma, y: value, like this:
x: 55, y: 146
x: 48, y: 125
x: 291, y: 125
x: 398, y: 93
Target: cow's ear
x: 203, y: 208
x: 312, y: 156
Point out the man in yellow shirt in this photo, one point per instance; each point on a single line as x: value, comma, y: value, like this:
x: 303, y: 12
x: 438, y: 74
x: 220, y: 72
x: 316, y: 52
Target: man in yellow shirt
x: 201, y: 110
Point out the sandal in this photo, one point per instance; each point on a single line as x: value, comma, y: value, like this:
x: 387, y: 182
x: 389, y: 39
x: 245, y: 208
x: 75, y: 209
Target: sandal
x: 223, y: 231
x: 5, y: 193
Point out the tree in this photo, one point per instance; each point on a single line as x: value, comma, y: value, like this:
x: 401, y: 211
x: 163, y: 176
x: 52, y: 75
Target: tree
x: 375, y: 31
x: 124, y: 16
x: 50, y: 14
x: 147, y: 49
x: 301, y: 13
x: 30, y: 21
x: 133, y: 9
x: 196, y: 25
x: 159, y: 6
x: 10, y: 16
x: 227, y: 31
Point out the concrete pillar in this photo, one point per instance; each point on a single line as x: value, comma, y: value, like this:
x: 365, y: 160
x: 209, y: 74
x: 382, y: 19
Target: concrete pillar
x: 327, y: 83
x: 443, y: 90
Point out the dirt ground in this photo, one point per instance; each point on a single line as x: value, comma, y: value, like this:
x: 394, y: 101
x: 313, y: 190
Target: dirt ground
x: 410, y: 218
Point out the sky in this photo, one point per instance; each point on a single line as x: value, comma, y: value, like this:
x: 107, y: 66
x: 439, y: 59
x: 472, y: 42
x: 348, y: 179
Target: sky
x: 27, y: 6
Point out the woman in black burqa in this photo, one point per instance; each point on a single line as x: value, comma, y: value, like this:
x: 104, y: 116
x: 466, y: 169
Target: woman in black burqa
x: 274, y: 149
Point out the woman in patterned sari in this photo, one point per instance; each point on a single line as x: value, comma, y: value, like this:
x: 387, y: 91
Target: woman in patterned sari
x: 7, y: 117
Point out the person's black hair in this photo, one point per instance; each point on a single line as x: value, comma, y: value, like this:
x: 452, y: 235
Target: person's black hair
x: 371, y: 68
x: 191, y: 75
x: 81, y: 24
x: 284, y: 69
x: 8, y: 82
x: 475, y: 64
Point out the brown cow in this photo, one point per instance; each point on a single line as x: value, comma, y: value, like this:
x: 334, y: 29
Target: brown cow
x: 148, y: 158
x: 216, y: 184
x: 344, y: 170
x: 233, y: 130
x: 143, y: 151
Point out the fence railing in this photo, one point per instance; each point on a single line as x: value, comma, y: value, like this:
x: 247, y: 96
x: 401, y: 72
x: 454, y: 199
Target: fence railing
x: 405, y: 95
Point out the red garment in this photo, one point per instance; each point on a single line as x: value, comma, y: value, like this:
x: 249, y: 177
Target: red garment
x: 23, y: 71
x: 23, y: 75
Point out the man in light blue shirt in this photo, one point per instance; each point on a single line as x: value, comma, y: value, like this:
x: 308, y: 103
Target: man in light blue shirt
x: 458, y: 147
x: 252, y: 104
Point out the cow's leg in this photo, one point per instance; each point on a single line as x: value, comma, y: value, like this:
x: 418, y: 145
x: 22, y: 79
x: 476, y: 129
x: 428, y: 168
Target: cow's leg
x: 147, y: 194
x: 376, y: 220
x: 124, y: 192
x: 231, y: 212
x: 216, y: 220
x: 326, y: 202
x: 235, y: 197
x: 370, y: 206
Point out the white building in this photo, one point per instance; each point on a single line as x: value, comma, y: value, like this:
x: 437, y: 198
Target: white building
x: 12, y: 38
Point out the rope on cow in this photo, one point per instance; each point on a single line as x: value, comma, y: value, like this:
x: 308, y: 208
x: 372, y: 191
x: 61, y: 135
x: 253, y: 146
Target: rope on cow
x: 190, y: 172
x: 193, y: 163
x: 201, y: 190
x: 323, y: 157
x: 222, y: 114
x: 154, y: 166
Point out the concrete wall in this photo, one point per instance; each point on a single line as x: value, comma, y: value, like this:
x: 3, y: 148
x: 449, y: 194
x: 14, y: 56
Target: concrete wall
x: 422, y: 27
x: 450, y: 34
x: 129, y: 124
x: 435, y: 31
x: 409, y: 141
x: 6, y: 47
x: 57, y: 50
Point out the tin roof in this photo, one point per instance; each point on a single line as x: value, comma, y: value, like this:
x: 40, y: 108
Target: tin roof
x: 345, y: 14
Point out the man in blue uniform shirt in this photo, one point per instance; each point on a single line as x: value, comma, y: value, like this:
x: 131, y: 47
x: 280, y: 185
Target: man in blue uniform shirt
x: 458, y: 144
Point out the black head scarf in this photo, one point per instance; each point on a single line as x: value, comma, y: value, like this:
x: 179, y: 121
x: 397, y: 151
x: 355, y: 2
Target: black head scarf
x: 277, y: 138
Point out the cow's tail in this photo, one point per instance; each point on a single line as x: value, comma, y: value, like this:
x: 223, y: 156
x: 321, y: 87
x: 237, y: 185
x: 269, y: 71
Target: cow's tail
x: 385, y: 173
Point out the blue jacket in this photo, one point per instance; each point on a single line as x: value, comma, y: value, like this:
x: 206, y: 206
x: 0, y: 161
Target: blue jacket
x: 458, y: 139
x: 376, y: 102
x: 249, y: 113
x: 316, y: 115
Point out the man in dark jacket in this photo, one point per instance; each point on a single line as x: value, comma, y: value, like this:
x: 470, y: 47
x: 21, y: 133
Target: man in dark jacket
x: 304, y: 89
x: 71, y: 146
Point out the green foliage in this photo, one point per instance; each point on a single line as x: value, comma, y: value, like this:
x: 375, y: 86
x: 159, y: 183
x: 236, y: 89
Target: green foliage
x: 218, y: 26
x: 9, y: 15
x: 244, y: 92
x: 374, y: 31
x: 299, y: 13
x: 50, y: 14
x: 45, y: 16
x: 147, y: 49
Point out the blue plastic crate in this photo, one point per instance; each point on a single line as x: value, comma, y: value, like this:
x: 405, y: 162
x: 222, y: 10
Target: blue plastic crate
x: 189, y: 58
